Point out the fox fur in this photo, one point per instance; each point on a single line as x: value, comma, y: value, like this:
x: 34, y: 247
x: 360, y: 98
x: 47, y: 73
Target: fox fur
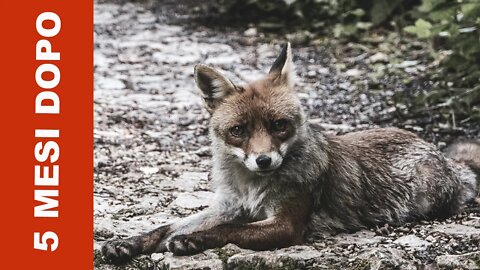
x: 279, y: 179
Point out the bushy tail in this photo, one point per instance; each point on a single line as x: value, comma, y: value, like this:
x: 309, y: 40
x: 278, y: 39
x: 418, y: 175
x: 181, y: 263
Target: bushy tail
x: 467, y: 152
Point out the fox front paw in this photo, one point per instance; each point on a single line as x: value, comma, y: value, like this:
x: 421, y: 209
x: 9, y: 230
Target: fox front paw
x: 186, y: 245
x: 119, y: 251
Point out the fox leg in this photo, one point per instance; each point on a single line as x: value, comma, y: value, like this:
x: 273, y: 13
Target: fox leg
x: 283, y: 229
x: 122, y: 250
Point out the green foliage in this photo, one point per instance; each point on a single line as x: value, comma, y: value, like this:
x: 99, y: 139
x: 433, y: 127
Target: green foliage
x: 422, y: 29
x: 457, y: 24
x: 381, y: 10
x: 343, y: 18
x: 453, y: 25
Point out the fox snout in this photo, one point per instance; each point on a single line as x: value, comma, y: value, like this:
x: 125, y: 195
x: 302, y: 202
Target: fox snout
x: 264, y: 163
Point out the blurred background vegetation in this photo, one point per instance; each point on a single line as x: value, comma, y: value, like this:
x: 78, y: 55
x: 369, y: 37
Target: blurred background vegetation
x: 451, y: 28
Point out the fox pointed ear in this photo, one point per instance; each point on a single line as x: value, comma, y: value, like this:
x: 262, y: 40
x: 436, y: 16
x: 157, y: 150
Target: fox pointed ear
x: 283, y: 68
x: 214, y: 85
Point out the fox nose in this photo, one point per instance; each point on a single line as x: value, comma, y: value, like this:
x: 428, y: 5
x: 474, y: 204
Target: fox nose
x: 263, y: 161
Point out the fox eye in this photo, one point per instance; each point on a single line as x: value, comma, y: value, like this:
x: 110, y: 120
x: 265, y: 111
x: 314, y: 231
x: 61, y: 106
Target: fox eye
x: 279, y: 125
x: 237, y: 131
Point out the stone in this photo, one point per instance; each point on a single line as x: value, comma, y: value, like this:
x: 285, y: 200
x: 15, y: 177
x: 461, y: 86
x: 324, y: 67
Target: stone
x: 378, y: 57
x: 193, y: 200
x: 188, y: 180
x: 465, y: 261
x: 296, y: 257
x: 149, y: 170
x: 353, y: 73
x: 474, y: 222
x: 204, y: 261
x: 384, y: 258
x: 457, y: 229
x: 250, y: 32
x: 359, y: 238
x: 412, y: 241
x: 407, y: 63
x: 110, y: 83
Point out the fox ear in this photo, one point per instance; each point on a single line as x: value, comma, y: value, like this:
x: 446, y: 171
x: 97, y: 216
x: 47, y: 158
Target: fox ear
x: 214, y: 85
x: 283, y: 69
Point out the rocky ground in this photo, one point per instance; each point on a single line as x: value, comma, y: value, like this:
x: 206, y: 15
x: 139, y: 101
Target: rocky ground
x: 152, y: 157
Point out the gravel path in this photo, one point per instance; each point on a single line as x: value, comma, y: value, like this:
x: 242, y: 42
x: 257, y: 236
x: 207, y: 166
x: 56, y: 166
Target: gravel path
x: 152, y: 157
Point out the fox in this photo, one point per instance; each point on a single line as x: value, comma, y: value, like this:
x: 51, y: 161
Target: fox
x: 279, y: 179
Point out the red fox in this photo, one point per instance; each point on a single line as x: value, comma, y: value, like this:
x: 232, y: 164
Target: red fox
x: 279, y: 179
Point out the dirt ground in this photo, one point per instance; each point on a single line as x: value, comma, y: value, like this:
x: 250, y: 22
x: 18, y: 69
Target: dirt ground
x: 152, y: 154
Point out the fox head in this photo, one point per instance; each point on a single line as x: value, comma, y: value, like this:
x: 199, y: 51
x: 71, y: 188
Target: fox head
x: 257, y: 122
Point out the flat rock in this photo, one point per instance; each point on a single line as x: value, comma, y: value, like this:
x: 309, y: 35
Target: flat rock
x: 297, y: 257
x: 204, y: 261
x: 110, y: 83
x: 378, y: 57
x: 383, y: 258
x: 457, y: 229
x: 464, y: 261
x: 188, y: 180
x: 363, y: 237
x: 193, y: 200
x: 412, y: 241
x: 474, y: 222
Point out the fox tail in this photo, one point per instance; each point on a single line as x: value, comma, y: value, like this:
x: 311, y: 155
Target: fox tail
x: 468, y: 153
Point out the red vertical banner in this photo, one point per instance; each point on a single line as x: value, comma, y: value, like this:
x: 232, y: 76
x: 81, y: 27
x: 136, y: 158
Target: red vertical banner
x: 47, y: 134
